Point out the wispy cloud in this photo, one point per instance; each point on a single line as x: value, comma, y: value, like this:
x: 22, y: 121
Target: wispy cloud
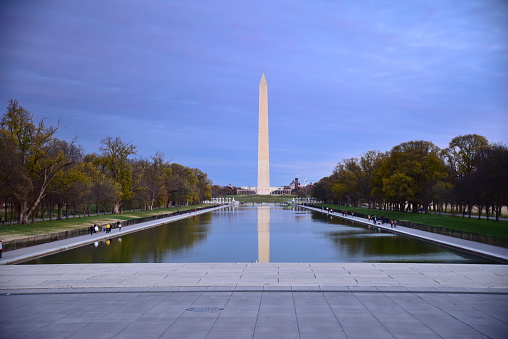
x: 182, y: 78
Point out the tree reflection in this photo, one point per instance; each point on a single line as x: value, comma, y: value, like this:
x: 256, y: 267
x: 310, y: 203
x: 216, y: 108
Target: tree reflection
x: 155, y: 244
x: 265, y: 233
x: 371, y: 244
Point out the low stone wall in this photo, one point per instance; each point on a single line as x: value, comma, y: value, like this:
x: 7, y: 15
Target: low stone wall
x: 484, y: 239
x: 45, y: 238
x: 41, y: 239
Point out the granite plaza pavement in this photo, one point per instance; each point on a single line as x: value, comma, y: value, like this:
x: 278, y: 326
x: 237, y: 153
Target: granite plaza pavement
x: 251, y: 300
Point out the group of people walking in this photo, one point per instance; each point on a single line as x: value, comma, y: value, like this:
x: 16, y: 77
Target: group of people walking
x: 382, y: 220
x: 348, y: 213
x: 94, y: 229
x: 375, y: 220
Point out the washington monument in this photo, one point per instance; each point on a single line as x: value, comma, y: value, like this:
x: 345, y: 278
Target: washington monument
x: 263, y: 143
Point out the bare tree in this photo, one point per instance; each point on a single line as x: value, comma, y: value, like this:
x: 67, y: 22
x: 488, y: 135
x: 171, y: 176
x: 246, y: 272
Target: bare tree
x: 31, y: 157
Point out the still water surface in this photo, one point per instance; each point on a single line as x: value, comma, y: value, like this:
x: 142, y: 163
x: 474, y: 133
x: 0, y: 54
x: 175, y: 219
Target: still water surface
x: 263, y: 233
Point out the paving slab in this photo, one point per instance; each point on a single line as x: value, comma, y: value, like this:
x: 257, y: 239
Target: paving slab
x: 254, y: 314
x: 425, y: 276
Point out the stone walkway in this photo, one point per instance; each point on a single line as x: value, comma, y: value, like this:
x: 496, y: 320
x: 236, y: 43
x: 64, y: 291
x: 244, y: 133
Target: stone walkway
x: 258, y: 276
x: 254, y: 301
x: 253, y: 314
x: 251, y: 300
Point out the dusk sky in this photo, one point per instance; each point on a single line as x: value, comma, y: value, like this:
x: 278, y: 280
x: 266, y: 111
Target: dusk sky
x: 182, y: 77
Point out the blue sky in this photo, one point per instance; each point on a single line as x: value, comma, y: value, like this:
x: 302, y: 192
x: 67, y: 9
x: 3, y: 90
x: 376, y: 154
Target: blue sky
x: 182, y: 77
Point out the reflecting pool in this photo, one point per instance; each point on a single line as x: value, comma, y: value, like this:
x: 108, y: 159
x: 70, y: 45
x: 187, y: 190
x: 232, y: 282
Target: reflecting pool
x: 261, y: 233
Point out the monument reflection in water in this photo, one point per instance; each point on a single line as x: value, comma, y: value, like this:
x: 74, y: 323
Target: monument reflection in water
x: 263, y: 233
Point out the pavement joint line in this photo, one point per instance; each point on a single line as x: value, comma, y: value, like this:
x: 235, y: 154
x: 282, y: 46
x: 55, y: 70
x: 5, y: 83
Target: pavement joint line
x: 65, y: 291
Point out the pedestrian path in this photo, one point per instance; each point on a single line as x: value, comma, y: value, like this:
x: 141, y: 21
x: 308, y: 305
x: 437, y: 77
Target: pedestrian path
x: 254, y: 300
x: 253, y: 315
x: 257, y: 276
x: 489, y: 251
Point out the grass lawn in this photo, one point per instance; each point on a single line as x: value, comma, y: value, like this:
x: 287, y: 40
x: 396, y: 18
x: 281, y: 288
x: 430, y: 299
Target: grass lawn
x: 262, y: 198
x: 473, y: 225
x: 17, y: 231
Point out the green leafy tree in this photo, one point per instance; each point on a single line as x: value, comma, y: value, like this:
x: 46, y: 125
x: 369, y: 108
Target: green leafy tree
x: 204, y: 185
x: 368, y: 163
x: 181, y: 185
x: 345, y: 188
x: 417, y: 166
x: 398, y: 188
x: 322, y: 190
x: 114, y: 160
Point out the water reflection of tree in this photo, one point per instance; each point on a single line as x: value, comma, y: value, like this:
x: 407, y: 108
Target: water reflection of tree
x: 154, y: 244
x: 359, y: 240
x: 151, y: 245
x: 366, y: 243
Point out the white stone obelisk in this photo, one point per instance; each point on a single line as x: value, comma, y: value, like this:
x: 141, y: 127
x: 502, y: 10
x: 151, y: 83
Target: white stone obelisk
x: 263, y: 142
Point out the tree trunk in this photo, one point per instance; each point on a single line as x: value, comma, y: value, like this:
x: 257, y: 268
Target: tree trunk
x: 12, y: 214
x: 116, y: 207
x: 5, y: 211
x: 480, y: 209
x: 50, y: 212
x: 27, y: 211
x: 59, y: 207
x: 23, y: 213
